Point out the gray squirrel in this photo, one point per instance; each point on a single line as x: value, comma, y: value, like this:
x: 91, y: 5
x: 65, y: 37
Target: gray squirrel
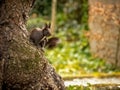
x: 39, y: 36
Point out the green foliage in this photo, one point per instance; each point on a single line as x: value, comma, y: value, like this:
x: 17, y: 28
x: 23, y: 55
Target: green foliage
x: 78, y: 88
x: 73, y: 56
x: 35, y: 22
x: 77, y: 10
x: 73, y: 9
x: 42, y: 7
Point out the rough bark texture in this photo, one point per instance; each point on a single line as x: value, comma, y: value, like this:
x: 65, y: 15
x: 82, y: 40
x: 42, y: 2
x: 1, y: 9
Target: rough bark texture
x: 104, y: 23
x: 22, y: 65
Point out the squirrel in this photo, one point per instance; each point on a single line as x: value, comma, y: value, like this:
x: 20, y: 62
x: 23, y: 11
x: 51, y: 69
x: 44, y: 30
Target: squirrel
x: 39, y: 36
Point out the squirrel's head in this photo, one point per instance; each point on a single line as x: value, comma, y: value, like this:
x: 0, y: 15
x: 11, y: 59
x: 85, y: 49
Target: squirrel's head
x: 46, y: 30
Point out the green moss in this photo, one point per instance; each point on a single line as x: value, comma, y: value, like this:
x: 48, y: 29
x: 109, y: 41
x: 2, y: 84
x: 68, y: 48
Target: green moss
x: 24, y: 57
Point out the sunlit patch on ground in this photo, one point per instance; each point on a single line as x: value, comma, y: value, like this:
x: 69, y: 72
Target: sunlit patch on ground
x: 93, y: 84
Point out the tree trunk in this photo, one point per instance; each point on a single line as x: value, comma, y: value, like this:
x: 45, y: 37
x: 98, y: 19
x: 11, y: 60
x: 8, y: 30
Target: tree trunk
x: 104, y: 23
x: 22, y: 65
x: 53, y: 16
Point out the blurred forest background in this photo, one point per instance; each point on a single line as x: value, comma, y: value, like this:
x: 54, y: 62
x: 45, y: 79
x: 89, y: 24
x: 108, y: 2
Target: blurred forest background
x: 71, y: 57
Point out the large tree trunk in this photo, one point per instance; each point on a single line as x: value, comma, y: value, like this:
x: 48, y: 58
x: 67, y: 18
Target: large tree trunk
x: 22, y: 66
x: 104, y: 23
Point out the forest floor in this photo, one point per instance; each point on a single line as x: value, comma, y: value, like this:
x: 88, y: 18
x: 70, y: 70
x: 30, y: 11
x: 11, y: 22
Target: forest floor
x: 112, y: 83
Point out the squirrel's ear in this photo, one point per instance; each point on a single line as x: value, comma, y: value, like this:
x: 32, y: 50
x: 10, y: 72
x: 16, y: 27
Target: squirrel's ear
x: 49, y: 25
x: 45, y: 26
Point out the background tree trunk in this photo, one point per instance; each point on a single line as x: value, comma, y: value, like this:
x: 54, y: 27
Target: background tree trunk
x: 104, y: 23
x: 53, y: 16
x: 22, y: 66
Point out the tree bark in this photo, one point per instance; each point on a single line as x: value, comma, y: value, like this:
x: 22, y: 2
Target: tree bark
x: 104, y: 23
x: 22, y: 65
